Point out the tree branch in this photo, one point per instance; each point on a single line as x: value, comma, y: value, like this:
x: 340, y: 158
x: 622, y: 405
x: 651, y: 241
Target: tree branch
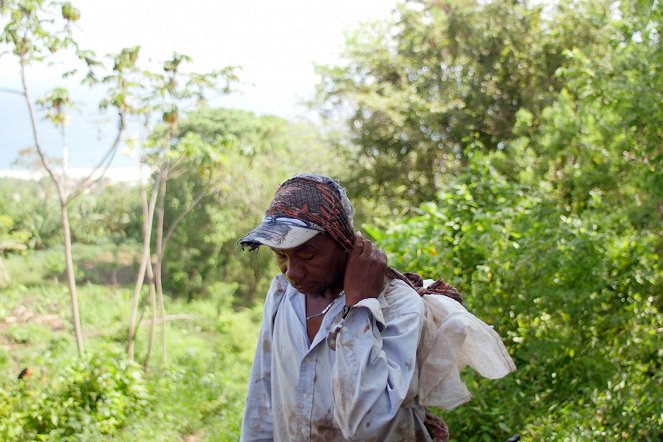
x: 182, y: 215
x: 35, y: 133
x: 105, y: 162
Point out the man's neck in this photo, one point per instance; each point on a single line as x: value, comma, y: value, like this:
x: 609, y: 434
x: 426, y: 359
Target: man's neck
x: 329, y: 294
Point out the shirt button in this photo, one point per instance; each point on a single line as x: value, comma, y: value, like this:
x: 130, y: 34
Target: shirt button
x: 305, y: 396
x: 345, y: 329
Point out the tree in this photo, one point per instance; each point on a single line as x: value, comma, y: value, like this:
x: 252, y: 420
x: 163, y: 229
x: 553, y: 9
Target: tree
x: 600, y: 137
x: 34, y: 31
x: 445, y: 77
x: 555, y: 238
x: 164, y: 95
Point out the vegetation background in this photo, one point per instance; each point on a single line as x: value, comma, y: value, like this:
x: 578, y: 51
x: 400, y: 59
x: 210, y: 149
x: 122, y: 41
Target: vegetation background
x: 513, y: 148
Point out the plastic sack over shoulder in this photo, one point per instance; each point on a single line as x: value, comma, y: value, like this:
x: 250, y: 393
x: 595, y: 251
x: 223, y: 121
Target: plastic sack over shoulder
x: 453, y: 338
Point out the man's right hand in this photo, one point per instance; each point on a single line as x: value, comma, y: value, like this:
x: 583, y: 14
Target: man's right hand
x: 364, y: 271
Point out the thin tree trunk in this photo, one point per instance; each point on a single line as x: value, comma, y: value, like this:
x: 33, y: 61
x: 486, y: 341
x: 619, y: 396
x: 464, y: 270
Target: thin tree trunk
x: 71, y: 278
x: 161, y: 243
x: 159, y: 252
x: 69, y: 259
x: 148, y: 216
x: 153, y: 322
x: 65, y: 197
x: 140, y: 277
x: 64, y: 215
x: 162, y: 314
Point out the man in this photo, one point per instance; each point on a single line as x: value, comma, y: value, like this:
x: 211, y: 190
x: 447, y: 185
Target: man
x: 337, y: 353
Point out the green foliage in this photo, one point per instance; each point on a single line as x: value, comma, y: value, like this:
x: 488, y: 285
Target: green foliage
x: 602, y: 134
x: 237, y: 130
x: 30, y: 221
x: 35, y: 268
x: 32, y: 30
x: 575, y: 296
x: 104, y: 397
x: 88, y: 398
x: 444, y: 78
x: 11, y: 238
x: 205, y: 388
x: 104, y: 263
x: 33, y: 213
x: 108, y: 213
x: 28, y: 334
x: 554, y: 237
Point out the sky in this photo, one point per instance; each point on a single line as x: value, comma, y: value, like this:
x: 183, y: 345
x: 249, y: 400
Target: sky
x: 276, y: 43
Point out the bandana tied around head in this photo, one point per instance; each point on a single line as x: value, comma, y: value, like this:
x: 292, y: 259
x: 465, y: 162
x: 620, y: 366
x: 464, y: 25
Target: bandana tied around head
x: 316, y: 202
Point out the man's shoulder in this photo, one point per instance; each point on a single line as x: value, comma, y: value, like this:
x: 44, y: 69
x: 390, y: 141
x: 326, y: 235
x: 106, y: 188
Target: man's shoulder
x: 400, y: 298
x: 276, y: 292
x: 279, y: 282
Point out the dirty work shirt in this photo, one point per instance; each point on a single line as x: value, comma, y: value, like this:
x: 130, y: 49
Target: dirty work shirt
x: 357, y: 380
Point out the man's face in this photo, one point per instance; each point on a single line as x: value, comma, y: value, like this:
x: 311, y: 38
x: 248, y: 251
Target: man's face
x: 315, y: 267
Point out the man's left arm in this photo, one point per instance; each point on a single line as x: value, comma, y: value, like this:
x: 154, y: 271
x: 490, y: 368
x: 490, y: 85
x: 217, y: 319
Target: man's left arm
x: 374, y: 366
x: 375, y: 360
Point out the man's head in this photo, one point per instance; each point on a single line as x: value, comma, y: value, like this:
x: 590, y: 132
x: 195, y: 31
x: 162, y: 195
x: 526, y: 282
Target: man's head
x: 309, y: 226
x: 303, y: 207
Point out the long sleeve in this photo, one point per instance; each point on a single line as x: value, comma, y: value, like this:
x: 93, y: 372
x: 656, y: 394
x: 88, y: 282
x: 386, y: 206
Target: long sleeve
x: 375, y: 363
x: 257, y: 423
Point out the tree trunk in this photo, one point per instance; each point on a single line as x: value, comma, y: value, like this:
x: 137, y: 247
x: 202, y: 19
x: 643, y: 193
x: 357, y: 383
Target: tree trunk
x: 159, y: 253
x: 71, y: 277
x: 148, y: 216
x: 140, y: 277
x: 64, y: 214
x: 153, y: 322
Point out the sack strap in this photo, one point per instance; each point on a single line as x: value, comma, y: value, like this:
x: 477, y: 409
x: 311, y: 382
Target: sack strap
x: 414, y: 280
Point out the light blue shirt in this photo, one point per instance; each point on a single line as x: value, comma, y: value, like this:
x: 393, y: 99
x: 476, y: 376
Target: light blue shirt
x: 357, y: 380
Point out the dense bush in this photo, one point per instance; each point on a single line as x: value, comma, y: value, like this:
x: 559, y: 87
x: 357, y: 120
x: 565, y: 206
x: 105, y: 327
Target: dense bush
x: 92, y: 396
x: 30, y: 213
x: 576, y: 296
x: 31, y: 220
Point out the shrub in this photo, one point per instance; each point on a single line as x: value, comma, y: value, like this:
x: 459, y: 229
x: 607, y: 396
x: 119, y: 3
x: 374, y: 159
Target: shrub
x: 93, y: 396
x: 575, y: 295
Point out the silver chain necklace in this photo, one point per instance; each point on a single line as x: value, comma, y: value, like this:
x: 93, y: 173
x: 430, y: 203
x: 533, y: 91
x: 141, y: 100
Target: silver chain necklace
x: 326, y: 309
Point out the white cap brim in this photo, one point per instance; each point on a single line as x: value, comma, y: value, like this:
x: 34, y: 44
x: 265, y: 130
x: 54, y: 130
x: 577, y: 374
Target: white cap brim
x: 277, y: 236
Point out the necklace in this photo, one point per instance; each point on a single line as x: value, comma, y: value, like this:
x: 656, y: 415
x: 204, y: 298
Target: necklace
x: 326, y: 309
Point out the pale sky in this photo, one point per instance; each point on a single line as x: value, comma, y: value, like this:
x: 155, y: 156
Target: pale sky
x: 275, y: 42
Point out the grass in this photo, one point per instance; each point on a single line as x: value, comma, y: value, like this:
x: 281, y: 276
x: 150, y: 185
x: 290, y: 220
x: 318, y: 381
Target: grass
x: 198, y: 395
x: 105, y: 264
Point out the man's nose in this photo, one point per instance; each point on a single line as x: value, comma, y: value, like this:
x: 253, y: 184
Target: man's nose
x: 295, y: 272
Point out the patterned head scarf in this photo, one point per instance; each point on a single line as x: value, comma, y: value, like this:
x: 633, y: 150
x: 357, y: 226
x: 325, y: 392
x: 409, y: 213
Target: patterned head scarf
x: 317, y: 200
x: 302, y: 207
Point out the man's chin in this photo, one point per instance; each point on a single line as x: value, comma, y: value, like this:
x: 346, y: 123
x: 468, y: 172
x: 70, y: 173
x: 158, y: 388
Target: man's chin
x: 305, y: 289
